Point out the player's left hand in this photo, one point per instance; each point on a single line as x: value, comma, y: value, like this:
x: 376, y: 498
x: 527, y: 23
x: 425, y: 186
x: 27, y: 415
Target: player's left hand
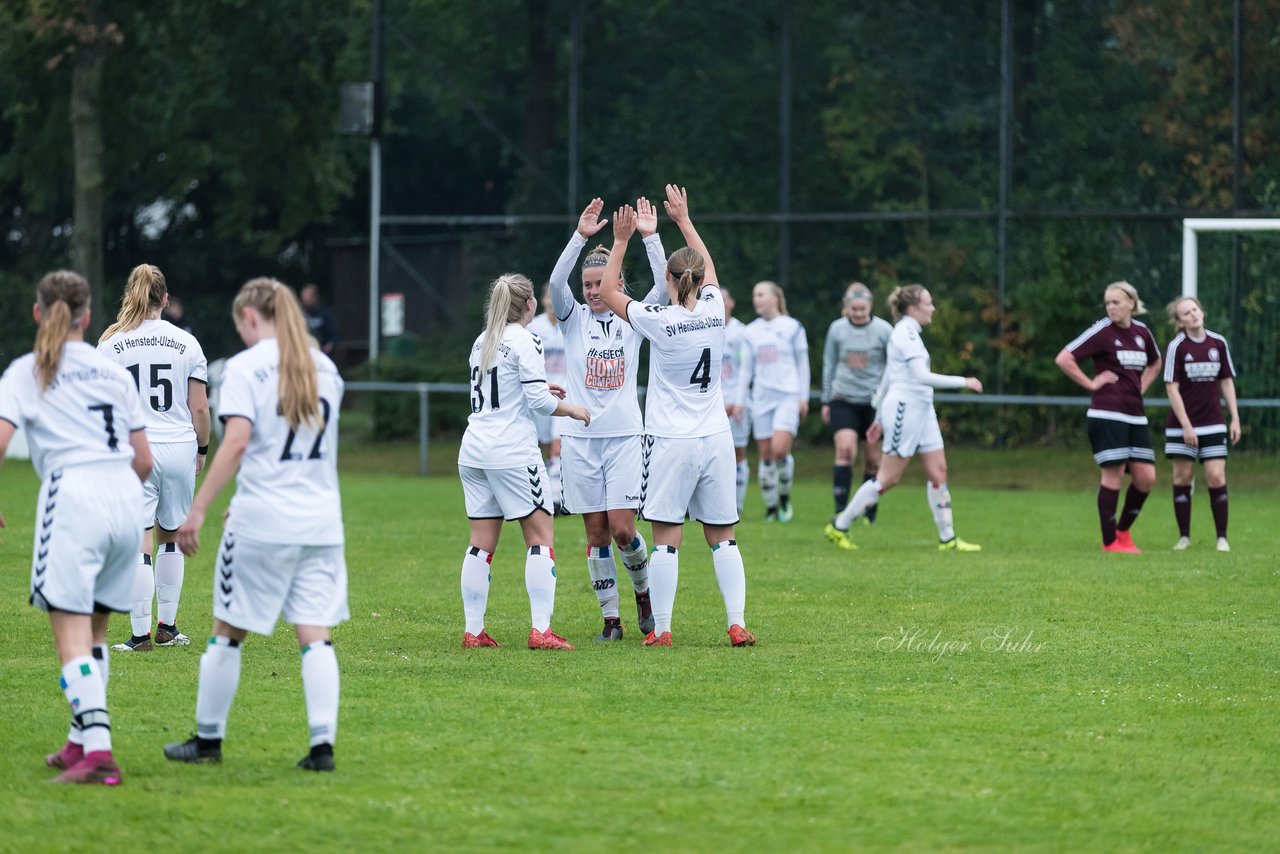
x: 188, y: 538
x: 557, y: 391
x: 1233, y: 432
x: 804, y: 408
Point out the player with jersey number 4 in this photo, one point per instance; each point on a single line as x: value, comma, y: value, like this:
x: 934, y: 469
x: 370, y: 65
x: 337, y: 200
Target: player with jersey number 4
x: 688, y: 467
x: 502, y: 474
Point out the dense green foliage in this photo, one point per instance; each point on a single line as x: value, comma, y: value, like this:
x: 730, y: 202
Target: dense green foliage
x: 1140, y: 713
x: 224, y: 160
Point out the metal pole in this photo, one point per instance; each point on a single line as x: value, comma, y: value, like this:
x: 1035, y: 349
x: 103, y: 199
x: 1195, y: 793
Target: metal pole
x: 1190, y: 260
x: 424, y: 421
x: 375, y: 183
x: 575, y: 95
x: 784, y: 153
x: 1006, y: 174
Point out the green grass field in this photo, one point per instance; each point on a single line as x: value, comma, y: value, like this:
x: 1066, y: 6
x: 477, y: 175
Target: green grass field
x: 1039, y: 695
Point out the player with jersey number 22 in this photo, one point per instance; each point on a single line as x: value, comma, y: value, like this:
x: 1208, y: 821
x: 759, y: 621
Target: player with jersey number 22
x: 501, y: 468
x: 282, y: 544
x: 688, y: 461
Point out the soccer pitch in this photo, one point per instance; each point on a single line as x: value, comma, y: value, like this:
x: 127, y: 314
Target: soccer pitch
x: 1038, y: 695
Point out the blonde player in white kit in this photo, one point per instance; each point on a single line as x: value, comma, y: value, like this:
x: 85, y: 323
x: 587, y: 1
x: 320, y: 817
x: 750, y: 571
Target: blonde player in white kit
x: 85, y: 430
x: 601, y: 461
x: 169, y: 369
x: 547, y: 327
x: 733, y: 388
x: 906, y: 418
x: 282, y: 543
x: 501, y: 469
x: 776, y: 368
x: 688, y: 449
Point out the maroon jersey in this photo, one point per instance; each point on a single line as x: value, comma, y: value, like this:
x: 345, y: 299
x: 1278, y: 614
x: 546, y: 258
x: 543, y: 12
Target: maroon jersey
x: 1126, y: 352
x: 1196, y: 366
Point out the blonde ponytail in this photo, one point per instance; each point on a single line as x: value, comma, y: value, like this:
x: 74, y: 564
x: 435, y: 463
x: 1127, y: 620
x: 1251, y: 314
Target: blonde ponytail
x: 62, y: 297
x: 508, y: 296
x: 143, y: 294
x: 688, y: 268
x: 299, y: 389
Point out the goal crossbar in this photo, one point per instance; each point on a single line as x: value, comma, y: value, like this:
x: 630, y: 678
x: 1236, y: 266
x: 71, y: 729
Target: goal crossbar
x: 1191, y: 229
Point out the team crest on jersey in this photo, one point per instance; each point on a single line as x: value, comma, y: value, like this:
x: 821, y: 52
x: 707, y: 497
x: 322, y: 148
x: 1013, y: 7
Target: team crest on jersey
x: 1213, y: 353
x: 1142, y: 343
x: 617, y: 336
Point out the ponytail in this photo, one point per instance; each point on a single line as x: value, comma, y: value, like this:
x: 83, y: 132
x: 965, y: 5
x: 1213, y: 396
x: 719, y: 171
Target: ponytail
x: 508, y: 296
x: 688, y: 268
x: 63, y: 297
x: 143, y: 294
x: 902, y: 298
x: 299, y: 390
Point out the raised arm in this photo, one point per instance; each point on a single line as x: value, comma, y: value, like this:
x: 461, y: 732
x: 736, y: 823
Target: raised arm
x: 589, y: 223
x: 624, y: 225
x: 677, y: 205
x: 647, y: 225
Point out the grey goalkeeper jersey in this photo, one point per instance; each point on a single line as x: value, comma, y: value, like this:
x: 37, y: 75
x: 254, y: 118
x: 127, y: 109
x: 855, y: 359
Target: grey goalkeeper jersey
x: 853, y: 360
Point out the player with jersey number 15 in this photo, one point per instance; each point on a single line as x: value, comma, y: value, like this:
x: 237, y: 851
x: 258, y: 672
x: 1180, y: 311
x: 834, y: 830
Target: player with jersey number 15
x: 501, y: 468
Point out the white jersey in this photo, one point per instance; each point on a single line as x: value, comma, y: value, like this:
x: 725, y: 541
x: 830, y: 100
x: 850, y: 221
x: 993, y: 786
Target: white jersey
x: 602, y: 351
x: 500, y: 431
x: 86, y: 415
x: 776, y: 357
x: 731, y: 378
x: 162, y: 358
x: 553, y: 356
x: 685, y: 366
x: 287, y: 488
x: 906, y: 374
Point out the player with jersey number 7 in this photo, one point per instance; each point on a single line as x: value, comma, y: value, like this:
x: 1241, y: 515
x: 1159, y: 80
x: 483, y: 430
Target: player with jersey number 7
x: 689, y: 467
x: 503, y: 477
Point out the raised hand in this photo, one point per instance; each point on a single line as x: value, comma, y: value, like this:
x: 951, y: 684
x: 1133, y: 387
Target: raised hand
x: 677, y: 203
x: 624, y: 223
x: 590, y: 223
x: 646, y: 217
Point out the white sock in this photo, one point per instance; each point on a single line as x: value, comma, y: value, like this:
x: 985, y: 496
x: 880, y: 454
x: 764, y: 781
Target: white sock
x: 635, y: 558
x: 744, y: 475
x: 786, y: 475
x: 540, y: 582
x: 219, y: 679
x: 320, y: 685
x: 867, y: 495
x: 144, y: 588
x: 768, y: 484
x: 940, y: 506
x: 664, y: 576
x: 84, y: 689
x: 475, y: 588
x: 170, y: 569
x: 732, y: 578
x: 604, y: 579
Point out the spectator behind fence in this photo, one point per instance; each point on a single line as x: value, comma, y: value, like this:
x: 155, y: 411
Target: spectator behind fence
x: 321, y: 322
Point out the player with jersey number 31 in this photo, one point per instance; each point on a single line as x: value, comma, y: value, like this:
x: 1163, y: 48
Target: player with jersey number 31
x: 499, y: 462
x: 688, y: 461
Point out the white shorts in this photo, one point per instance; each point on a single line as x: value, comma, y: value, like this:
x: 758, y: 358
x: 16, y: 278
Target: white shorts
x: 693, y: 476
x: 255, y: 583
x: 600, y: 474
x: 166, y: 495
x: 504, y: 493
x: 87, y: 539
x: 548, y: 427
x: 910, y: 426
x: 740, y: 427
x: 774, y: 412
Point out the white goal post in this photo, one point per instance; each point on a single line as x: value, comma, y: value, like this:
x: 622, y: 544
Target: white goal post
x: 1190, y: 249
